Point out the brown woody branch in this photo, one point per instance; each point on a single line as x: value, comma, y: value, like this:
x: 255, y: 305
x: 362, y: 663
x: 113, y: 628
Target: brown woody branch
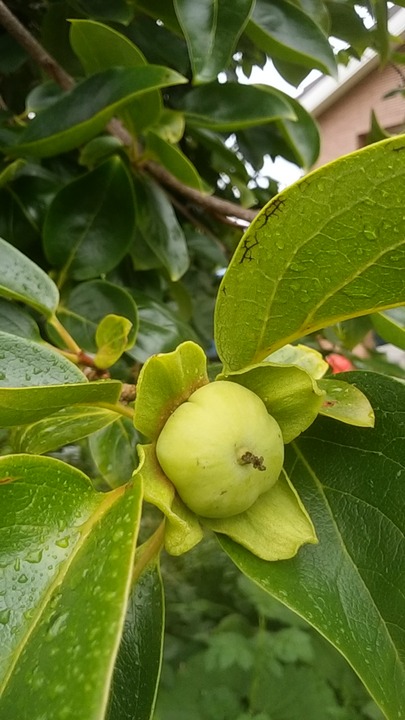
x: 214, y: 205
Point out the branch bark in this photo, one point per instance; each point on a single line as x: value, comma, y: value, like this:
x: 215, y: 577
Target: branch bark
x: 210, y: 203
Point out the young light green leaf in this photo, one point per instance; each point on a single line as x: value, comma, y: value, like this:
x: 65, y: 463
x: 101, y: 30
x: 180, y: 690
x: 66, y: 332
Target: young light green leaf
x: 90, y: 222
x: 84, y: 111
x: 113, y: 450
x: 283, y: 30
x: 98, y: 48
x: 63, y: 427
x: 71, y: 569
x: 233, y: 106
x: 23, y: 280
x: 10, y: 171
x: 346, y: 403
x: 351, y: 482
x: 86, y: 306
x: 165, y: 381
x: 137, y: 669
x: 112, y: 339
x: 307, y: 262
x: 212, y: 30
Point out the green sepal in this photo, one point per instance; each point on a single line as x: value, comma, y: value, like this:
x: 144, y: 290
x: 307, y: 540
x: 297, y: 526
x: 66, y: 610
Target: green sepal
x: 346, y: 403
x: 274, y: 527
x: 304, y: 357
x: 166, y: 380
x: 290, y: 394
x: 183, y: 530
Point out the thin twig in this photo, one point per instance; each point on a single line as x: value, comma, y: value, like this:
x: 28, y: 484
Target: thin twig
x: 34, y: 49
x: 208, y: 202
x: 218, y: 207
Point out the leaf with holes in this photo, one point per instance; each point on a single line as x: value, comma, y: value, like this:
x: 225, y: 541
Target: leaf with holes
x: 307, y: 262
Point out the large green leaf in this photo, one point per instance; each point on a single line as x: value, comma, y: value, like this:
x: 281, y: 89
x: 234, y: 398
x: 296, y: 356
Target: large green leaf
x: 137, y: 668
x: 84, y: 111
x: 350, y: 586
x: 233, y: 106
x: 17, y: 321
x: 99, y: 47
x: 282, y: 29
x: 63, y: 427
x: 22, y: 280
x: 91, y: 221
x: 66, y: 556
x: 25, y: 363
x: 328, y: 248
x: 212, y: 29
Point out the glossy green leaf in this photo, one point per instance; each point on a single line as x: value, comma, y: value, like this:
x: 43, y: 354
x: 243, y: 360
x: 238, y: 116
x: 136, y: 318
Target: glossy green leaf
x: 212, y: 30
x: 89, y: 303
x: 63, y: 427
x: 159, y: 227
x: 90, y: 223
x: 16, y: 223
x: 16, y: 321
x: 99, y: 149
x: 346, y: 403
x: 160, y: 329
x: 137, y: 668
x: 166, y: 381
x: 174, y: 160
x: 119, y: 11
x: 23, y: 280
x: 301, y: 134
x: 282, y: 29
x: 351, y: 585
x: 99, y: 47
x: 112, y: 339
x: 25, y: 363
x: 33, y: 383
x: 233, y: 106
x: 68, y: 570
x: 390, y: 325
x: 307, y: 262
x: 113, y: 450
x: 84, y: 111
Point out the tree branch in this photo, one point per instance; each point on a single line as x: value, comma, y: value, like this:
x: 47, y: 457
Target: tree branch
x: 218, y: 207
x: 34, y: 49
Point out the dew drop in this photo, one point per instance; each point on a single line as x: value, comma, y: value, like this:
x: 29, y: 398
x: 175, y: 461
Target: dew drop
x: 63, y: 542
x: 35, y: 556
x: 22, y: 579
x: 5, y: 616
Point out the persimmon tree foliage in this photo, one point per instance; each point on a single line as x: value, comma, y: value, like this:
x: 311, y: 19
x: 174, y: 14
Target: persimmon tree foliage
x: 132, y: 173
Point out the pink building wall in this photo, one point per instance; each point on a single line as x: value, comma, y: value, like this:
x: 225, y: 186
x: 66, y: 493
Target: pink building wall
x: 344, y: 124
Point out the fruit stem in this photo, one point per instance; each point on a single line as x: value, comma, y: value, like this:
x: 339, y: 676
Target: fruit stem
x: 249, y: 458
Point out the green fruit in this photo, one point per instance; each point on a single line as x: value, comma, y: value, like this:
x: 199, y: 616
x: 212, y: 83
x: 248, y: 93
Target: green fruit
x: 221, y: 449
